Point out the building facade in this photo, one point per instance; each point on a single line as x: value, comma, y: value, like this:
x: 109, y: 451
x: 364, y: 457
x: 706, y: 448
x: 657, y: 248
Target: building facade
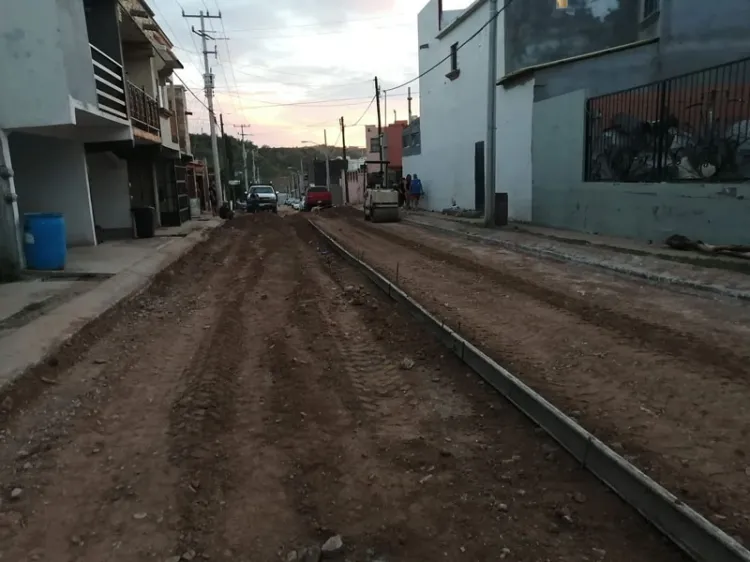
x: 553, y: 52
x: 88, y: 112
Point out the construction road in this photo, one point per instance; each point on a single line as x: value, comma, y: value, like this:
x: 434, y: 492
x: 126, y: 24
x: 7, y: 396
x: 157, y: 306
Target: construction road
x: 261, y: 397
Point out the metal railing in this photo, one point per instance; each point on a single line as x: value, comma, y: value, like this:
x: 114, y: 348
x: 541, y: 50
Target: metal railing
x: 691, y: 127
x: 110, y: 85
x: 144, y: 110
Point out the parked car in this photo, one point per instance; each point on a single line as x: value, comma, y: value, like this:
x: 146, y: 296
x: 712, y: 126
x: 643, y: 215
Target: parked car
x: 262, y: 198
x: 317, y: 196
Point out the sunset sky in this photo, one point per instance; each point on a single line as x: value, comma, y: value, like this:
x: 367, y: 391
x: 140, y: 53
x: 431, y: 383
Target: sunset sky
x: 319, y: 57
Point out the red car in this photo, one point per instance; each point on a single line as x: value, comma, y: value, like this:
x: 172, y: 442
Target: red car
x: 318, y: 197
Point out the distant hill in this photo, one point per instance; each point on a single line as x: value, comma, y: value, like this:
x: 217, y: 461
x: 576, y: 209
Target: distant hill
x: 273, y: 162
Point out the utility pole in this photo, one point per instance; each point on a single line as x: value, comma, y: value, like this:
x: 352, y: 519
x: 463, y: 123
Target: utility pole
x: 380, y: 132
x: 328, y: 163
x: 244, y: 157
x: 208, y: 83
x: 408, y: 99
x: 256, y: 179
x: 395, y: 118
x: 343, y: 151
x: 491, y: 153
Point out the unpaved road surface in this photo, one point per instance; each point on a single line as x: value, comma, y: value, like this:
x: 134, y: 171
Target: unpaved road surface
x: 261, y: 397
x: 660, y: 375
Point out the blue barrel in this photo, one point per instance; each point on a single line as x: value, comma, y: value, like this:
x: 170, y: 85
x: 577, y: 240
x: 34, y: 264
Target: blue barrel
x: 44, y: 241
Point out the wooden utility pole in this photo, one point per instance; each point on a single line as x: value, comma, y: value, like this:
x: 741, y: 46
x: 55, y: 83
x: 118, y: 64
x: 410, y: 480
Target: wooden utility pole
x: 244, y: 157
x: 343, y: 151
x: 380, y: 132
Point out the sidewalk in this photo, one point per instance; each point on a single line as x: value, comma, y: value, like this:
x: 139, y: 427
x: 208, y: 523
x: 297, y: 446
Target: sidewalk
x: 718, y: 274
x: 42, y: 312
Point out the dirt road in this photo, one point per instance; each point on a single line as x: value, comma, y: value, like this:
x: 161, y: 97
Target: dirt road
x: 260, y: 398
x: 660, y: 375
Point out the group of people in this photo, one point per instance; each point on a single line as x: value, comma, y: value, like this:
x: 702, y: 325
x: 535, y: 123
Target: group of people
x: 410, y: 192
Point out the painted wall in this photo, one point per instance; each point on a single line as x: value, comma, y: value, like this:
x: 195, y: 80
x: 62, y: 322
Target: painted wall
x: 51, y: 177
x: 714, y: 213
x: 110, y: 197
x: 452, y: 112
x: 74, y: 42
x: 371, y: 132
x: 31, y: 53
x: 395, y: 143
x: 139, y: 69
x: 539, y: 32
x: 514, y: 115
x: 696, y: 34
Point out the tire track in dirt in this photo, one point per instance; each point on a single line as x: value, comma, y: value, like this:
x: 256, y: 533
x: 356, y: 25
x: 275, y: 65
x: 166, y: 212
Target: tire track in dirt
x: 203, y: 414
x: 655, y: 336
x: 257, y: 503
x: 77, y: 425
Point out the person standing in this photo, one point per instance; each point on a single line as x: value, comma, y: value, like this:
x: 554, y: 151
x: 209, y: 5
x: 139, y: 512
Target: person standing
x: 415, y: 191
x: 407, y: 190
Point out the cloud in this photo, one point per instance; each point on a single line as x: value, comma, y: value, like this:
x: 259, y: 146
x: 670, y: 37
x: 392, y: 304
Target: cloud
x: 296, y: 52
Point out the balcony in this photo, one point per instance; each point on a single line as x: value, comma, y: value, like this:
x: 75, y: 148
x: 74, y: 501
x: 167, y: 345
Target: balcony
x: 110, y: 87
x: 144, y: 110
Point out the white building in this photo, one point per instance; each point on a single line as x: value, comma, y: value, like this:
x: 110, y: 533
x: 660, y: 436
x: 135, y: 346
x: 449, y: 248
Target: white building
x: 453, y: 114
x: 87, y: 103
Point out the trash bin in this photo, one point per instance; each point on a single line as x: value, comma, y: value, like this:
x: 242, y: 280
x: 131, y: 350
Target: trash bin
x: 44, y: 241
x: 501, y: 209
x: 145, y: 221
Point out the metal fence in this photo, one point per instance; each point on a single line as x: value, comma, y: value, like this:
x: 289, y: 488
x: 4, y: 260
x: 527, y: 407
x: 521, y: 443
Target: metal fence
x: 694, y: 127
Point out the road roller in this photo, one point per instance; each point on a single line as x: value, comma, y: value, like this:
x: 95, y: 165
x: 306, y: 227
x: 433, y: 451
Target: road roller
x: 381, y: 205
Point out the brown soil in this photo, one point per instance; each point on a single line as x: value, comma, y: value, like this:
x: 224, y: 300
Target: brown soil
x: 660, y: 375
x: 255, y: 400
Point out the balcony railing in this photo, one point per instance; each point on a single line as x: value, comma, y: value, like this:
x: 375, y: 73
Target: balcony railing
x: 110, y: 87
x: 144, y: 110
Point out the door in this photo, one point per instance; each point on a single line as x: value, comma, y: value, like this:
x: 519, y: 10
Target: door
x: 479, y: 176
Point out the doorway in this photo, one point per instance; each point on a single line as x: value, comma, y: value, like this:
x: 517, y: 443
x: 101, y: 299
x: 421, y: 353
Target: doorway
x: 479, y: 176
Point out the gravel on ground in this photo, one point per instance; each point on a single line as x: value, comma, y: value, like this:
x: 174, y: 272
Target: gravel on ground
x: 261, y: 401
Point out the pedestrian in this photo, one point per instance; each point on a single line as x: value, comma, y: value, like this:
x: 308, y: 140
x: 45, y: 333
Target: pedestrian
x: 407, y: 189
x: 415, y: 191
x: 401, y: 192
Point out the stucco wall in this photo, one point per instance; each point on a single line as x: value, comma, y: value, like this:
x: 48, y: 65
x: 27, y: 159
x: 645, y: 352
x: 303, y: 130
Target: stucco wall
x: 33, y: 79
x: 74, y: 43
x: 51, y: 177
x: 714, y: 213
x: 452, y: 113
x: 110, y: 196
x: 538, y: 32
x: 514, y: 115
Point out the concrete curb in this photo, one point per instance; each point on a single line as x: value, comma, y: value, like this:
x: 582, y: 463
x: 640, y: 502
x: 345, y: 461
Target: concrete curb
x: 695, y: 535
x: 32, y: 343
x: 562, y: 256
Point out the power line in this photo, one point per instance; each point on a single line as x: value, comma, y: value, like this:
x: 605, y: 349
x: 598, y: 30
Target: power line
x: 364, y: 113
x: 433, y: 67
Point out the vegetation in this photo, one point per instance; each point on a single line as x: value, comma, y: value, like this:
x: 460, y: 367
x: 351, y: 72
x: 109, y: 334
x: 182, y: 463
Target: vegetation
x: 272, y: 162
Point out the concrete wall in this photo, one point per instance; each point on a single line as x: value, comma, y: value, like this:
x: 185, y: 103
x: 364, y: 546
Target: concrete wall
x: 696, y: 34
x: 11, y: 254
x: 110, y: 196
x: 714, y: 213
x: 74, y: 42
x: 452, y: 112
x: 356, y: 186
x: 514, y: 115
x: 539, y: 32
x: 139, y: 69
x: 51, y: 177
x: 34, y: 83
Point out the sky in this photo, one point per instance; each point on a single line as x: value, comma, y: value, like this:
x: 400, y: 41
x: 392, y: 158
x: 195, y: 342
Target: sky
x: 291, y: 68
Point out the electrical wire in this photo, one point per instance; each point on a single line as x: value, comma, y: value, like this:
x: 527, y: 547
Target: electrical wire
x: 433, y: 67
x: 364, y: 113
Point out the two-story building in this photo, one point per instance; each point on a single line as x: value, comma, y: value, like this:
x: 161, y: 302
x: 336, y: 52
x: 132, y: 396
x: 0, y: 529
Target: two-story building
x: 557, y: 61
x: 89, y: 112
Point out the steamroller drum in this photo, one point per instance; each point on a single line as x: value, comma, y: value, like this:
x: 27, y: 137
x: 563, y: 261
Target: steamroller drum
x: 387, y: 214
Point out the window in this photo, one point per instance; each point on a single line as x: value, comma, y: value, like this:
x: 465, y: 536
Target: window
x: 375, y: 144
x: 650, y: 8
x: 561, y: 4
x: 454, y: 57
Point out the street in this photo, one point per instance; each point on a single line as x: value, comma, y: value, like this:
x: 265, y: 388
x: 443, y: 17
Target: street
x: 261, y: 397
